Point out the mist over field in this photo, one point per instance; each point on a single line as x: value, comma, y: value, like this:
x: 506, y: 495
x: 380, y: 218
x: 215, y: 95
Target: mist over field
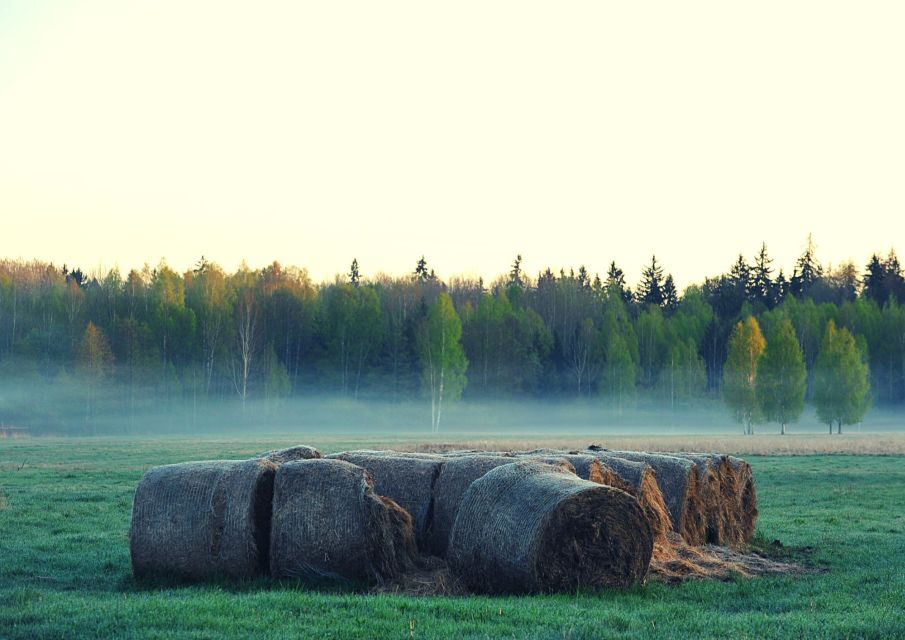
x: 157, y: 351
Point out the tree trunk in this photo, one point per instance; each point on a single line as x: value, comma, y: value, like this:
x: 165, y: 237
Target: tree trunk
x: 839, y: 427
x: 783, y: 429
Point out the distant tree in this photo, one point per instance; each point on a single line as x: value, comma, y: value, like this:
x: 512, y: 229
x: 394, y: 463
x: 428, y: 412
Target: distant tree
x: 354, y: 276
x: 740, y: 279
x: 95, y: 364
x: 584, y: 280
x: 615, y: 280
x: 670, y: 295
x: 515, y: 274
x: 807, y: 271
x: 746, y: 345
x: 873, y: 281
x: 781, y: 377
x: 443, y: 361
x: 762, y: 286
x: 421, y: 272
x: 650, y: 290
x: 840, y: 379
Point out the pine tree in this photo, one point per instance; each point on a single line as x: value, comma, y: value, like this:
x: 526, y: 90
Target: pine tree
x: 421, y: 272
x: 650, y: 291
x: 873, y: 280
x: 353, y: 273
x: 781, y: 377
x: 615, y: 280
x: 840, y: 379
x: 746, y: 345
x: 762, y: 287
x: 740, y: 278
x: 893, y: 281
x: 670, y: 295
x: 515, y: 275
x: 807, y: 271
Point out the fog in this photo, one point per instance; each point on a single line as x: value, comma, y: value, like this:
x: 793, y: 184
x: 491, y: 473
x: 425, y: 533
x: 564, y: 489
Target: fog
x: 78, y: 411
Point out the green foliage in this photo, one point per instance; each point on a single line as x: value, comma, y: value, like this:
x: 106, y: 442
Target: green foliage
x: 746, y: 345
x: 443, y: 361
x: 840, y: 379
x: 781, y: 377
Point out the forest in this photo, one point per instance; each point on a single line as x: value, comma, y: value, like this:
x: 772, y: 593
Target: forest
x: 156, y: 338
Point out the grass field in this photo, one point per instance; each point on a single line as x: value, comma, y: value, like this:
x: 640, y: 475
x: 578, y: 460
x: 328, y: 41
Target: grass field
x: 64, y: 562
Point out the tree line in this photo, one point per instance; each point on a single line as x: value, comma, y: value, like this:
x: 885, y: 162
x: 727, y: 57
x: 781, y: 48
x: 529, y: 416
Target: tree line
x: 168, y: 338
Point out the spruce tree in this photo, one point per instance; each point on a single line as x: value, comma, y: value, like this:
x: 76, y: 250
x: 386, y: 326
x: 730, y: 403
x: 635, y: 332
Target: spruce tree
x: 670, y: 295
x: 761, y: 282
x: 353, y: 273
x: 650, y: 291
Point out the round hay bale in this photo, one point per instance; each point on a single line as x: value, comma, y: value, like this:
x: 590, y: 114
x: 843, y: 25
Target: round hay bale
x: 747, y: 497
x: 527, y: 527
x: 328, y: 524
x: 455, y: 477
x: 584, y: 466
x: 638, y: 479
x: 409, y: 481
x: 385, y: 453
x: 198, y: 520
x: 717, y: 514
x: 677, y: 479
x: 300, y: 452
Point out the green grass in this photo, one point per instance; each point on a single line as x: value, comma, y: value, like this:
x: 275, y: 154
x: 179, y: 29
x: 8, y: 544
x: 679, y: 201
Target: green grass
x: 64, y: 564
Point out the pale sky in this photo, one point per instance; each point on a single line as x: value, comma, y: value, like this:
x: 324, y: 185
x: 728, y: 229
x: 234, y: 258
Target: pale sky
x: 569, y: 132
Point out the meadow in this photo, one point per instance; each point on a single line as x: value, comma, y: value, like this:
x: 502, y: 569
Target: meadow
x: 834, y: 504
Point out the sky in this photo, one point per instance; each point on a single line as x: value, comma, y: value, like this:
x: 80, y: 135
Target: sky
x: 469, y: 132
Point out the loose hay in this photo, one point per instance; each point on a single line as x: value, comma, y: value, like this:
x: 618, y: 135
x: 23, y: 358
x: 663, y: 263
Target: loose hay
x: 328, y: 524
x: 676, y: 561
x: 300, y: 452
x: 409, y: 481
x: 677, y: 479
x: 198, y: 520
x: 528, y: 527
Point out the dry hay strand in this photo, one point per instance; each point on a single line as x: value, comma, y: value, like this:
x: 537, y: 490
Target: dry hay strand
x: 407, y: 480
x: 328, y: 524
x: 675, y: 561
x: 456, y: 475
x: 528, y: 527
x: 198, y: 520
x: 677, y: 479
x: 300, y: 452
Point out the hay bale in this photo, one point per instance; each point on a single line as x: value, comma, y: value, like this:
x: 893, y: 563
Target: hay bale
x: 746, y: 497
x: 328, y: 524
x: 677, y: 479
x: 199, y: 520
x: 528, y: 527
x: 409, y: 481
x: 300, y: 452
x: 584, y: 466
x: 385, y: 453
x: 455, y: 477
x: 726, y: 501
